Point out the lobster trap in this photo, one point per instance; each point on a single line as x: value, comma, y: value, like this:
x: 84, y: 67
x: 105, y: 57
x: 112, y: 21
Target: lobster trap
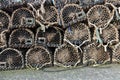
x: 67, y: 55
x: 51, y: 15
x: 21, y: 38
x: 77, y: 34
x: 109, y: 35
x: 94, y: 54
x: 23, y: 17
x: 72, y: 13
x: 51, y: 37
x: 99, y: 16
x: 4, y: 21
x: 38, y: 57
x: 11, y: 59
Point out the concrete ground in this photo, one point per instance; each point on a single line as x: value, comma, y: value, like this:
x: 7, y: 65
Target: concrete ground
x: 107, y: 72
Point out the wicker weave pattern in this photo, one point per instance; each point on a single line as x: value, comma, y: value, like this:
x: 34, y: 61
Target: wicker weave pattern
x: 99, y: 15
x: 23, y: 17
x: 12, y: 58
x: 22, y: 38
x: 66, y: 55
x: 38, y: 57
x: 71, y: 13
x: 95, y: 54
x: 77, y: 34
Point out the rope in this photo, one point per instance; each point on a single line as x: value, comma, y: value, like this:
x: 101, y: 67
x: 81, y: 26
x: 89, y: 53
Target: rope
x: 98, y: 36
x: 42, y: 7
x: 53, y: 1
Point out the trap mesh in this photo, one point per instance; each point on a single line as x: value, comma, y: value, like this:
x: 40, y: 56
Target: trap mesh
x: 114, y: 2
x: 51, y: 15
x: 4, y: 21
x: 95, y: 55
x: 3, y: 40
x: 72, y: 13
x: 99, y: 15
x: 109, y: 34
x: 23, y: 17
x: 86, y: 4
x: 53, y: 37
x: 22, y: 38
x: 10, y: 3
x: 66, y: 55
x: 11, y: 59
x: 77, y: 34
x: 116, y: 53
x: 40, y: 37
x: 37, y: 57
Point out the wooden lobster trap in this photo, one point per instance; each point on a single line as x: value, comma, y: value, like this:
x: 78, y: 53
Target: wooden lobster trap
x: 4, y: 21
x: 67, y: 55
x: 100, y: 16
x: 77, y: 34
x: 72, y: 13
x: 50, y: 15
x: 38, y: 57
x: 21, y: 38
x: 109, y: 36
x: 11, y: 59
x: 51, y: 37
x: 94, y: 54
x: 23, y: 17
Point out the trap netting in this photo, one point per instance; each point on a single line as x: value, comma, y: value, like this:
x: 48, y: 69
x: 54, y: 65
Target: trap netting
x: 94, y: 54
x: 72, y: 13
x: 86, y: 4
x: 109, y: 35
x: 99, y: 15
x: 10, y: 3
x: 66, y: 55
x: 77, y: 34
x: 21, y: 38
x: 116, y: 53
x: 23, y: 17
x: 4, y: 21
x: 40, y: 37
x: 61, y: 3
x: 117, y: 24
x: 51, y: 15
x: 53, y: 37
x: 11, y: 59
x: 3, y: 40
x: 114, y: 2
x: 116, y: 20
x: 37, y: 57
x: 31, y: 1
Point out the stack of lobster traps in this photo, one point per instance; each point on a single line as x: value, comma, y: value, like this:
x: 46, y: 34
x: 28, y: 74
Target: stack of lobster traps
x: 67, y: 33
